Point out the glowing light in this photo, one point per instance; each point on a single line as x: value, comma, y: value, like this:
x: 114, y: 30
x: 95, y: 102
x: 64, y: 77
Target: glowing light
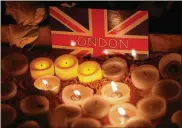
x: 76, y: 92
x: 121, y: 111
x: 114, y: 86
x: 133, y: 53
x: 73, y: 43
x: 105, y: 51
x: 45, y: 82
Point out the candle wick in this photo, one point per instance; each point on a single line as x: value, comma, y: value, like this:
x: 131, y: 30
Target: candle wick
x: 116, y: 94
x: 40, y: 105
x: 46, y: 85
x: 88, y: 69
x: 41, y: 65
x: 75, y: 97
x: 66, y: 62
x: 69, y: 113
x: 96, y: 102
x: 145, y: 73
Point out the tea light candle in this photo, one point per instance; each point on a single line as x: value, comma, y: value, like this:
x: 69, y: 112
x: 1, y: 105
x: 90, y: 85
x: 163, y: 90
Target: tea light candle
x: 64, y: 115
x: 138, y: 122
x: 96, y: 107
x: 116, y: 92
x: 66, y: 67
x: 177, y: 118
x: 76, y: 94
x: 144, y: 76
x: 9, y: 115
x: 152, y: 107
x: 8, y: 91
x: 41, y: 67
x: 29, y: 124
x: 34, y: 105
x: 86, y: 123
x: 120, y: 113
x: 89, y: 71
x: 168, y: 89
x: 115, y: 69
x: 48, y: 84
x: 170, y: 66
x: 15, y: 64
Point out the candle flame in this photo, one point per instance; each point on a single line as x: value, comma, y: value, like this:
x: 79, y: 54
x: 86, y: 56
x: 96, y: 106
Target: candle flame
x: 105, y: 51
x: 114, y: 86
x: 44, y: 82
x: 133, y: 53
x: 121, y: 111
x: 76, y: 92
x: 73, y: 43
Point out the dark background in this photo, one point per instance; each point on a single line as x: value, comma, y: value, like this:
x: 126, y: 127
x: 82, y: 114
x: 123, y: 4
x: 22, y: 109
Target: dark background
x: 165, y: 17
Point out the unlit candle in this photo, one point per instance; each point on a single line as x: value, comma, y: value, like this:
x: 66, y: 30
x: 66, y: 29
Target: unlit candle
x: 115, y: 69
x: 152, y: 107
x: 145, y: 76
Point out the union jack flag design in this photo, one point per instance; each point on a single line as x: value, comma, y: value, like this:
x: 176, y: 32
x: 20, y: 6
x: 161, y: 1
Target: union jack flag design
x: 99, y: 31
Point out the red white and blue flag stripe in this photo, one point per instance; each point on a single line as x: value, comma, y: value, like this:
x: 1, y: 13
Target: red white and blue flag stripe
x: 99, y: 31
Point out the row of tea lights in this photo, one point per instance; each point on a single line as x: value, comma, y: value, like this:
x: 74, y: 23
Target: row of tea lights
x: 66, y: 67
x: 114, y: 93
x: 92, y: 112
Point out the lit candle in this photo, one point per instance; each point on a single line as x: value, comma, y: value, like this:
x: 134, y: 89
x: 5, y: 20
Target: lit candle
x: 66, y: 67
x: 152, y: 107
x: 86, y: 123
x: 9, y: 115
x: 123, y: 117
x: 15, y: 64
x: 76, y: 94
x: 138, y: 122
x: 89, y: 71
x: 73, y: 43
x: 144, y: 77
x: 116, y: 92
x: 34, y: 105
x: 133, y: 53
x: 48, y: 85
x: 41, y: 67
x: 8, y: 91
x: 29, y: 124
x: 177, y: 118
x: 64, y: 115
x: 115, y: 69
x: 120, y: 113
x: 96, y: 107
x: 168, y: 89
x: 105, y: 51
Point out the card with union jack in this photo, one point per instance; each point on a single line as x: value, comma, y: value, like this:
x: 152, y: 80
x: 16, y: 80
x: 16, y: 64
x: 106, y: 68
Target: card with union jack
x: 99, y: 31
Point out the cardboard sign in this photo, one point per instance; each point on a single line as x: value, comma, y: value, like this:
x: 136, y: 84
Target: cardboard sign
x: 99, y: 31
